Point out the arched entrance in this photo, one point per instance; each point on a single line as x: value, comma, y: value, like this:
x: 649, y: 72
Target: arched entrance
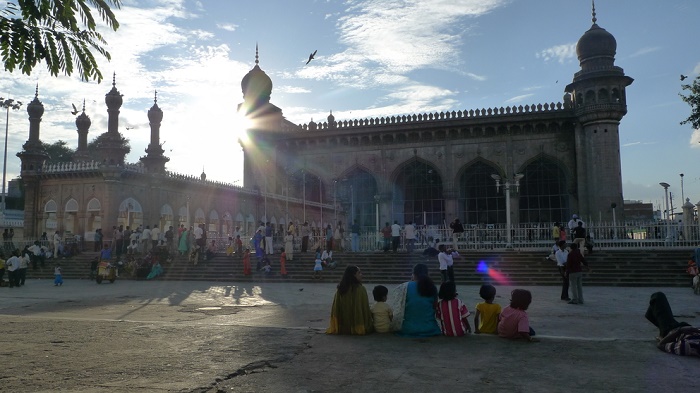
x: 355, y: 193
x: 130, y: 213
x: 543, y: 193
x: 479, y: 203
x: 94, y: 218
x: 70, y: 217
x: 418, y: 196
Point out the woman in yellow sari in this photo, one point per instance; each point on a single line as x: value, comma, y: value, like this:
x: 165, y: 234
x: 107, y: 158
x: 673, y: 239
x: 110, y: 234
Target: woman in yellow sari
x: 350, y: 313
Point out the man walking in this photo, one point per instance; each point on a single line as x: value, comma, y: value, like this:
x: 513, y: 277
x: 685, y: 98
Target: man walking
x: 395, y: 236
x: 561, y: 256
x: 410, y: 235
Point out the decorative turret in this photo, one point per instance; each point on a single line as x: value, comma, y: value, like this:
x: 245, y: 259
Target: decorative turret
x: 33, y: 154
x: 112, y: 147
x: 331, y: 121
x: 154, y: 161
x: 82, y: 122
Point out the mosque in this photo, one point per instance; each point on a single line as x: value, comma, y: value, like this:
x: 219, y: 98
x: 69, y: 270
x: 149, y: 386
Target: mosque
x: 538, y: 163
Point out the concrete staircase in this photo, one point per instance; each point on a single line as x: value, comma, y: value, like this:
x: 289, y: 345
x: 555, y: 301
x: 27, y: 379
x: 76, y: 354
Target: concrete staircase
x: 664, y: 268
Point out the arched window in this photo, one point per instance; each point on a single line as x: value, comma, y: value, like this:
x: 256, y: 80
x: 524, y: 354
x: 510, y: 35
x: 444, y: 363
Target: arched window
x: 603, y: 95
x: 305, y: 185
x: 51, y: 207
x: 479, y: 202
x: 543, y: 193
x: 94, y: 205
x: 590, y: 97
x: 417, y: 195
x: 355, y: 193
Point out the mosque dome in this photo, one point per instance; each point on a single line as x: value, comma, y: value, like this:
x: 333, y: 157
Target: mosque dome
x: 155, y: 114
x: 114, y: 99
x: 596, y: 42
x: 83, y: 122
x: 256, y: 85
x: 35, y: 108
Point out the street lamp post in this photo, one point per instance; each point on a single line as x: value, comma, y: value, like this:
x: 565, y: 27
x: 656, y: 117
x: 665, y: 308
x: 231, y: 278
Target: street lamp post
x: 668, y: 212
x: 8, y: 104
x: 376, y: 216
x: 335, y: 201
x: 682, y: 193
x: 506, y: 186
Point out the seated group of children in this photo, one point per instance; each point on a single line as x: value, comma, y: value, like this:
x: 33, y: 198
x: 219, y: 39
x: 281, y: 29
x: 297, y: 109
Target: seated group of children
x: 452, y: 313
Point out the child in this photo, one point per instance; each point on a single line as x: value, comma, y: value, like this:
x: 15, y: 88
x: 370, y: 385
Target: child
x: 283, y: 262
x: 451, y: 312
x: 318, y: 267
x: 229, y: 247
x: 487, y: 313
x: 693, y: 271
x: 246, y: 262
x: 58, y: 275
x: 513, y: 321
x: 239, y: 246
x: 381, y: 312
x: 267, y: 269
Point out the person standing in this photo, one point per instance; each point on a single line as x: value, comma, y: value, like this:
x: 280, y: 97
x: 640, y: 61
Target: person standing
x: 169, y: 237
x: 12, y: 266
x: 338, y: 237
x: 268, y: 239
x: 329, y: 237
x: 56, y: 244
x: 457, y: 230
x: 386, y: 234
x: 574, y: 267
x: 443, y: 259
x: 556, y: 232
x: 561, y: 255
x: 155, y: 237
x: 395, y: 236
x: 355, y: 237
x: 146, y: 239
x: 410, y: 235
x: 573, y: 223
x: 579, y: 235
x: 289, y: 246
x: 98, y: 240
x: 305, y: 232
x: 24, y: 261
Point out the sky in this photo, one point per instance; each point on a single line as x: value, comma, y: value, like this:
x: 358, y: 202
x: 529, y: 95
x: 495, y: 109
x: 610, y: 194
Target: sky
x: 375, y: 58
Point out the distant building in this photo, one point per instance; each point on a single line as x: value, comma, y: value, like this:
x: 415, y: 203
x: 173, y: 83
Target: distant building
x: 638, y: 210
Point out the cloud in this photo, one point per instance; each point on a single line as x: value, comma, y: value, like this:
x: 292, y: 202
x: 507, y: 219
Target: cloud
x: 561, y: 53
x: 292, y: 89
x: 695, y: 139
x: 227, y: 26
x: 518, y: 99
x: 696, y: 70
x: 645, y: 51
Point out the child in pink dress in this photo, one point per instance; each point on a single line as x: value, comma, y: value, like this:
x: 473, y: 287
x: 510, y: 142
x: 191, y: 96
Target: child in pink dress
x: 513, y: 321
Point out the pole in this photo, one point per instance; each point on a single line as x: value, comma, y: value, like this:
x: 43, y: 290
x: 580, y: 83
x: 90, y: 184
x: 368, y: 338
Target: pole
x: 682, y: 192
x: 4, y: 162
x: 352, y: 203
x: 320, y: 198
x: 303, y: 180
x: 509, y: 237
x: 335, y: 204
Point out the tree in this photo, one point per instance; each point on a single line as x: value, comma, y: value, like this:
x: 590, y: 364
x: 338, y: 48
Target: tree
x: 692, y: 99
x: 58, y: 152
x: 61, y: 33
x: 94, y: 145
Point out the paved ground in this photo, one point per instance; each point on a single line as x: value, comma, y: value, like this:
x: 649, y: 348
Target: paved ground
x: 207, y: 337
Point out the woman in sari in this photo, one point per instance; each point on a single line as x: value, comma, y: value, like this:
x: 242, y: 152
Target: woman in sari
x: 182, y: 242
x: 414, y: 306
x: 350, y: 313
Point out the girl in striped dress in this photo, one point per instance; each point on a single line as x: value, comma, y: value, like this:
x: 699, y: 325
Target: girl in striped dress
x: 451, y: 312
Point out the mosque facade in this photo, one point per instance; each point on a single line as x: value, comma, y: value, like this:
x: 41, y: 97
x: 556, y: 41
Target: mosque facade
x: 549, y: 161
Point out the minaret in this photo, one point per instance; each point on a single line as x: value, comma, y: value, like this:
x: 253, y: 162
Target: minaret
x: 32, y: 157
x: 154, y: 160
x: 599, y: 103
x: 33, y: 153
x: 82, y: 122
x: 112, y: 150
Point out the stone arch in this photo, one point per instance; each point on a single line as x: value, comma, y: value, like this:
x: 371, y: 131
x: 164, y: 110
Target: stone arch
x: 417, y: 193
x: 130, y: 213
x: 590, y: 97
x: 199, y: 217
x: 167, y: 217
x: 615, y: 95
x: 306, y: 185
x: 479, y: 202
x: 603, y: 95
x: 213, y: 225
x: 50, y: 216
x: 70, y: 217
x: 93, y: 220
x: 356, y: 192
x: 182, y: 216
x: 544, y: 192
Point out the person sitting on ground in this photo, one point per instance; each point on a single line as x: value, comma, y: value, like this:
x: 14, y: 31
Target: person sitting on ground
x: 414, y: 306
x: 267, y: 268
x: 350, y: 313
x: 674, y: 337
x: 451, y: 312
x: 381, y: 311
x: 488, y: 312
x: 513, y: 322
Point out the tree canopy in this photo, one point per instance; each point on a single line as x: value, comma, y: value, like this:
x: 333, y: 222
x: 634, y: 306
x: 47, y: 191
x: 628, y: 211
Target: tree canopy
x: 60, y: 152
x: 692, y: 99
x: 61, y: 33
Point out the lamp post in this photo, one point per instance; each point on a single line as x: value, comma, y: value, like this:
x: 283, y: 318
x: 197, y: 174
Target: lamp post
x: 335, y: 201
x: 682, y: 193
x: 668, y: 212
x: 8, y: 104
x: 506, y: 186
x: 613, y: 206
x: 376, y: 216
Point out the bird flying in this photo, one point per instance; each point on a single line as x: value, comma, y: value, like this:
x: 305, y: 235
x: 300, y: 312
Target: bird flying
x: 311, y: 56
x: 74, y: 111
x: 683, y: 77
